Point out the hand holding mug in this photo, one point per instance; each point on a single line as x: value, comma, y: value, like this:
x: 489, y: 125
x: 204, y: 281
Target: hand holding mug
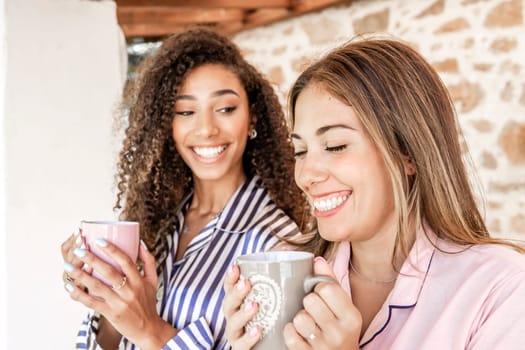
x: 129, y: 306
x: 329, y: 319
x: 279, y: 281
x: 123, y: 234
x: 67, y: 249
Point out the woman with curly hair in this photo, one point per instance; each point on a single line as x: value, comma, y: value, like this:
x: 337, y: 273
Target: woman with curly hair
x: 378, y: 155
x: 207, y: 170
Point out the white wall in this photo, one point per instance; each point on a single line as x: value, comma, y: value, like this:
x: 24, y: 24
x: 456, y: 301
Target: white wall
x: 65, y: 67
x: 3, y: 260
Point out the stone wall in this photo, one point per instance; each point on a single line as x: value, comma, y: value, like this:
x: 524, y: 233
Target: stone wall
x: 478, y: 47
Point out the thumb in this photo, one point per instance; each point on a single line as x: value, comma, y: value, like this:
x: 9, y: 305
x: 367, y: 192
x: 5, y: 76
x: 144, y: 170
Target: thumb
x: 321, y: 267
x: 150, y: 270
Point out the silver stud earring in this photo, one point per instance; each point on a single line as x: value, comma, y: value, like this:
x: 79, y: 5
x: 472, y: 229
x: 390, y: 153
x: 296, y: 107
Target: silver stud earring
x: 252, y: 134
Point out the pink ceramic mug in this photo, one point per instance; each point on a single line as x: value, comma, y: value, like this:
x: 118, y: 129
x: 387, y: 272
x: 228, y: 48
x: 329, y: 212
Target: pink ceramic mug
x: 123, y: 234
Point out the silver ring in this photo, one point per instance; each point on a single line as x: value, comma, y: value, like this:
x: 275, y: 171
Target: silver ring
x: 311, y: 336
x: 69, y: 278
x: 122, y: 283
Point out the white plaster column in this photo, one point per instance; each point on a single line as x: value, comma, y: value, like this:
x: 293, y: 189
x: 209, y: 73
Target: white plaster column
x: 3, y: 251
x: 65, y: 67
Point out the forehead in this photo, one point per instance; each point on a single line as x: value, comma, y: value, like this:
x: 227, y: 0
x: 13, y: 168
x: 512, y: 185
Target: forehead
x: 316, y: 107
x: 211, y: 77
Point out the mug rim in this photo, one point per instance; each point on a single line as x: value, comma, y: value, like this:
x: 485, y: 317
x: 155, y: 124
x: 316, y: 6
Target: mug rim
x: 276, y: 256
x: 109, y: 222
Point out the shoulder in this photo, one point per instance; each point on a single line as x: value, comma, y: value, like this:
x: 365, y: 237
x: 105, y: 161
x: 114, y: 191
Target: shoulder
x: 481, y: 261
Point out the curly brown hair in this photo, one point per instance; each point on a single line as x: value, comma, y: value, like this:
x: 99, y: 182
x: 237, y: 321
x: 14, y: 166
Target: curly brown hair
x: 152, y: 178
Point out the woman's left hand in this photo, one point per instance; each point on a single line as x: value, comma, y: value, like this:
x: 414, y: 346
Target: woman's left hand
x: 329, y: 319
x: 130, y: 303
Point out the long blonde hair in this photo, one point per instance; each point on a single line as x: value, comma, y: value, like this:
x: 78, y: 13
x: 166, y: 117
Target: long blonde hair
x: 408, y: 113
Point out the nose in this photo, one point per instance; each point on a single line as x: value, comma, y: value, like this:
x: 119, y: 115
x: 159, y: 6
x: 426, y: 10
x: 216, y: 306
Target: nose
x: 206, y: 125
x: 309, y: 171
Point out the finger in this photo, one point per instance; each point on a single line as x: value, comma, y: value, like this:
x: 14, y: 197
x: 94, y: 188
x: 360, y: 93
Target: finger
x: 247, y: 340
x: 129, y: 267
x: 232, y: 276
x: 89, y: 300
x: 150, y: 269
x: 234, y: 298
x: 84, y: 281
x: 306, y: 327
x: 236, y: 323
x: 321, y: 313
x: 338, y: 302
x: 321, y: 267
x: 292, y: 339
x: 107, y: 272
x: 69, y: 243
x: 67, y: 278
x: 67, y: 248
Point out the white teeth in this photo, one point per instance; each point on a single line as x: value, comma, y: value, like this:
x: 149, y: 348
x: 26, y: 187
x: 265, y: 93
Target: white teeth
x: 329, y: 204
x: 209, y: 152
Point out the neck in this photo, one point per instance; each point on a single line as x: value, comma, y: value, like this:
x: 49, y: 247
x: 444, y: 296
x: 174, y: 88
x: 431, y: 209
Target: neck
x: 368, y: 265
x: 210, y: 197
x: 384, y: 266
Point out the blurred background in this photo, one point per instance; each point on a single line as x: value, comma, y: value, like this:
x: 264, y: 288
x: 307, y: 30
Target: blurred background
x: 64, y: 65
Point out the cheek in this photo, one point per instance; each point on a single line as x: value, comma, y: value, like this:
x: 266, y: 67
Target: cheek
x: 297, y: 174
x: 178, y: 132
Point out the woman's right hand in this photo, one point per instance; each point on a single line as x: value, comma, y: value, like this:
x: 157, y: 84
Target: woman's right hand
x: 238, y: 315
x: 67, y: 248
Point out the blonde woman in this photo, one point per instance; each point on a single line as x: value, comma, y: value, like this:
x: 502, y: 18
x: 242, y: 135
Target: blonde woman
x: 378, y: 155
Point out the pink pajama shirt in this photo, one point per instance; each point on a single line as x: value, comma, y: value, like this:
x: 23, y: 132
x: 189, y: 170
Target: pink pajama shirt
x: 471, y: 299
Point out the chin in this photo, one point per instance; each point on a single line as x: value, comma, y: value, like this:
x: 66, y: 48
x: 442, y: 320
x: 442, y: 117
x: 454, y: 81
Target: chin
x: 333, y: 233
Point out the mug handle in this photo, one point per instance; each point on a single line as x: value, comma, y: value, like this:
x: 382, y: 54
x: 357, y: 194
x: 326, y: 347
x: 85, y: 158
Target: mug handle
x: 311, y: 281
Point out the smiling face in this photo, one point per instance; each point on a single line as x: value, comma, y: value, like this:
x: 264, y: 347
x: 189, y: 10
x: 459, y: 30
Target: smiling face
x: 211, y: 123
x: 340, y: 169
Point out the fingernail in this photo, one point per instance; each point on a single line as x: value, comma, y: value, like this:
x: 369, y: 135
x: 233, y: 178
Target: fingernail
x: 79, y: 252
x: 230, y: 270
x: 101, y: 242
x: 254, y: 331
x: 70, y: 287
x: 143, y: 244
x: 68, y: 267
x: 240, y: 285
x: 319, y: 258
x: 248, y: 307
x: 78, y: 240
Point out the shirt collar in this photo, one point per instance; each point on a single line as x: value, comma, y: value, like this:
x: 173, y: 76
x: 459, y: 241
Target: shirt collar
x: 242, y: 210
x: 414, y: 270
x: 409, y: 283
x: 412, y: 274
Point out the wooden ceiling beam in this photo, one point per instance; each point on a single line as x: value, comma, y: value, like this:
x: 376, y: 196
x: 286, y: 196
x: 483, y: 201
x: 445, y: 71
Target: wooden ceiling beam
x: 264, y: 16
x: 304, y: 6
x: 154, y: 19
x: 172, y: 15
x: 150, y: 30
x: 245, y: 4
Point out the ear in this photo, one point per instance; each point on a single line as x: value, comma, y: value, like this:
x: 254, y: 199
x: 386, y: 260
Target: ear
x: 410, y: 167
x: 253, y: 121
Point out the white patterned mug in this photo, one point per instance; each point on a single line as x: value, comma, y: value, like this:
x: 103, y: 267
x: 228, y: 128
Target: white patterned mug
x: 280, y: 280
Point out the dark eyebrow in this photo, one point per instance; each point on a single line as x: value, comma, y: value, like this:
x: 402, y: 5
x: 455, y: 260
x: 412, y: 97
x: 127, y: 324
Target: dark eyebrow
x: 214, y: 94
x: 322, y: 130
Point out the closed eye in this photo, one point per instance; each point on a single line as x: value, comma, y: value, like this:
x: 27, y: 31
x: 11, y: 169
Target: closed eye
x: 336, y: 149
x: 227, y: 110
x: 299, y: 154
x: 184, y: 113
